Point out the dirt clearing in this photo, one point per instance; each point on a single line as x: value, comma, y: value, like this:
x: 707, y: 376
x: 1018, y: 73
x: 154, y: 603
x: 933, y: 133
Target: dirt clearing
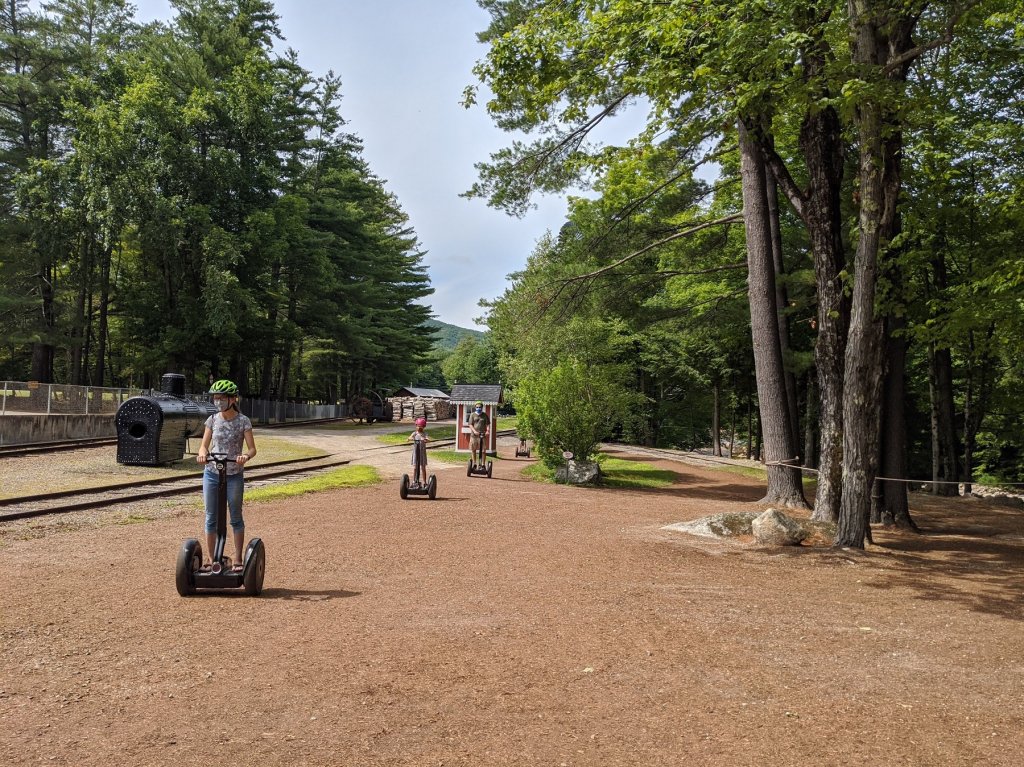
x: 513, y: 623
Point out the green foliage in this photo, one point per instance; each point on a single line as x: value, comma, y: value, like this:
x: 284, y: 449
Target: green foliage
x: 572, y: 407
x: 556, y: 71
x: 187, y: 199
x: 447, y: 337
x: 472, y: 361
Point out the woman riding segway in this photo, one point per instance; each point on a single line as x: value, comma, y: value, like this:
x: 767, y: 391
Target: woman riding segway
x: 227, y: 431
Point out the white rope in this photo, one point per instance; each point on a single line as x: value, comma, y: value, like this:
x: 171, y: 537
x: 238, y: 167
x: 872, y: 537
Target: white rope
x: 790, y: 465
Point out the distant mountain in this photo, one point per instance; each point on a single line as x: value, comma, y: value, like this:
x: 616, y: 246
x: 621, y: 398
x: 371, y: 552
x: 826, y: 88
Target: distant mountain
x: 448, y: 336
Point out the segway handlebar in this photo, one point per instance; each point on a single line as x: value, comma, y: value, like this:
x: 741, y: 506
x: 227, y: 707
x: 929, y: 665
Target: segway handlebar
x: 219, y: 458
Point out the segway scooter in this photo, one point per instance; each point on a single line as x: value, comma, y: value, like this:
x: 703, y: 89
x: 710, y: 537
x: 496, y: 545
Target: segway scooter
x: 522, y: 450
x: 190, y: 575
x: 419, y: 469
x: 481, y: 467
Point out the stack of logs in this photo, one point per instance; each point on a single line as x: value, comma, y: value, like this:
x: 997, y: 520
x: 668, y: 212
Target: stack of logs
x: 411, y: 408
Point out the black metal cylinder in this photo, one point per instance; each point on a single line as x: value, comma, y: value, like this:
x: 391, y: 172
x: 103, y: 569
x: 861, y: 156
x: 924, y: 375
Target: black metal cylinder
x: 153, y: 429
x: 173, y: 384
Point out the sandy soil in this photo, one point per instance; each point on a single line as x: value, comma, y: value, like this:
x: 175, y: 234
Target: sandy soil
x: 511, y: 623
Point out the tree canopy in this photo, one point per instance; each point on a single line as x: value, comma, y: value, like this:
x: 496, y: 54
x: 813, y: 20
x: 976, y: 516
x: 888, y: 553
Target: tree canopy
x: 179, y: 196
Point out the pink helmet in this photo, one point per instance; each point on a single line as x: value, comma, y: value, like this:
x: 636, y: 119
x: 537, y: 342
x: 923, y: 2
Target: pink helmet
x: 421, y: 421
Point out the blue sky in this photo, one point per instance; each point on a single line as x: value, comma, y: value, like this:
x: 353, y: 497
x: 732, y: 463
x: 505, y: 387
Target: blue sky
x: 403, y: 66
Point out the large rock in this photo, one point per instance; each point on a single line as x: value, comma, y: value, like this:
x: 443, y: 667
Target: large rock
x: 726, y: 525
x: 773, y: 528
x: 579, y: 473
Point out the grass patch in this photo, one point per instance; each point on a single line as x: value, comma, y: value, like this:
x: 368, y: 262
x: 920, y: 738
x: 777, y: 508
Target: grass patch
x: 506, y: 422
x: 538, y: 472
x: 615, y: 472
x: 450, y: 456
x: 348, y: 476
x: 434, y: 432
x: 133, y: 519
x: 744, y: 471
x: 761, y: 473
x: 633, y: 474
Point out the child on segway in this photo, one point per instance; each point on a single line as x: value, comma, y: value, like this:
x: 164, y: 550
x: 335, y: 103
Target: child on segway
x: 227, y: 431
x: 421, y: 484
x: 418, y: 462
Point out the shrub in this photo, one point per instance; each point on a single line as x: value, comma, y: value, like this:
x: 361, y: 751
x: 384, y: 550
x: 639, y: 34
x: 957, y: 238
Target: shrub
x: 573, y: 407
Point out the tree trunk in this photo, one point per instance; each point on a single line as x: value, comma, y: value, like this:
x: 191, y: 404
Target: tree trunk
x: 969, y: 434
x: 877, y: 36
x: 750, y: 421
x: 732, y: 431
x: 43, y: 350
x: 716, y: 420
x: 820, y: 208
x: 809, y: 420
x: 784, y: 484
x: 980, y: 378
x: 895, y: 509
x: 781, y: 302
x: 757, y: 435
x: 864, y: 351
x: 944, y: 423
x: 101, y: 329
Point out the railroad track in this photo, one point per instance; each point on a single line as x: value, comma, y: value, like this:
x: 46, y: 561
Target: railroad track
x: 41, y: 448
x: 38, y: 448
x: 42, y: 504
x: 24, y: 507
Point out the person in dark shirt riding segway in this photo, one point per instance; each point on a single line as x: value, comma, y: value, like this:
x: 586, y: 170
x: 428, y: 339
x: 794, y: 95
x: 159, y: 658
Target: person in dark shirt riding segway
x: 479, y: 423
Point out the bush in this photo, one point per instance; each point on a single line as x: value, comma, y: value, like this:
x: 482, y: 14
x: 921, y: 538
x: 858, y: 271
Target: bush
x: 573, y: 407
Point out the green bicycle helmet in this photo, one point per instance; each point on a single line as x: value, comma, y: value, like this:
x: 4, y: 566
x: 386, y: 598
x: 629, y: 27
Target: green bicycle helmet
x: 224, y: 386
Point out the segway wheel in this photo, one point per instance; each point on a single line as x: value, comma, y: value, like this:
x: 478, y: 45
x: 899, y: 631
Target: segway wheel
x: 469, y: 468
x: 403, y: 489
x: 432, y: 487
x: 490, y: 465
x: 190, y: 559
x: 255, y: 566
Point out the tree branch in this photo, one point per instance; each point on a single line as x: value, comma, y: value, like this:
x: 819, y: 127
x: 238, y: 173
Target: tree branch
x: 692, y: 230
x: 947, y: 37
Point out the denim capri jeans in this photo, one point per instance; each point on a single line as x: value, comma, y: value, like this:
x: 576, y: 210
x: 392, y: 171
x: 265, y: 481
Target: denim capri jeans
x: 211, y: 483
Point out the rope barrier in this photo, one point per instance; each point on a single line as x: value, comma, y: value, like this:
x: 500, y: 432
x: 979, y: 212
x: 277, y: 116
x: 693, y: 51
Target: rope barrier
x: 790, y: 465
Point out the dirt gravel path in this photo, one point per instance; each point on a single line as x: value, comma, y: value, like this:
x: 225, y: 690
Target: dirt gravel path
x: 511, y: 623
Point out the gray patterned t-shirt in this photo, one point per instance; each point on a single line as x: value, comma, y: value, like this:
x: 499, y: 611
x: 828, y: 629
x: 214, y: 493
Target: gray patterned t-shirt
x: 228, y: 437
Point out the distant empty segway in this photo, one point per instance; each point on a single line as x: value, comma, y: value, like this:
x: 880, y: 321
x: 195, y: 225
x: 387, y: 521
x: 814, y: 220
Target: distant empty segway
x: 522, y: 450
x: 190, y: 576
x: 419, y: 472
x: 478, y: 465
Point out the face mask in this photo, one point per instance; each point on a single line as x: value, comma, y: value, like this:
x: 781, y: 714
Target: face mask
x: 479, y: 410
x: 222, y: 404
